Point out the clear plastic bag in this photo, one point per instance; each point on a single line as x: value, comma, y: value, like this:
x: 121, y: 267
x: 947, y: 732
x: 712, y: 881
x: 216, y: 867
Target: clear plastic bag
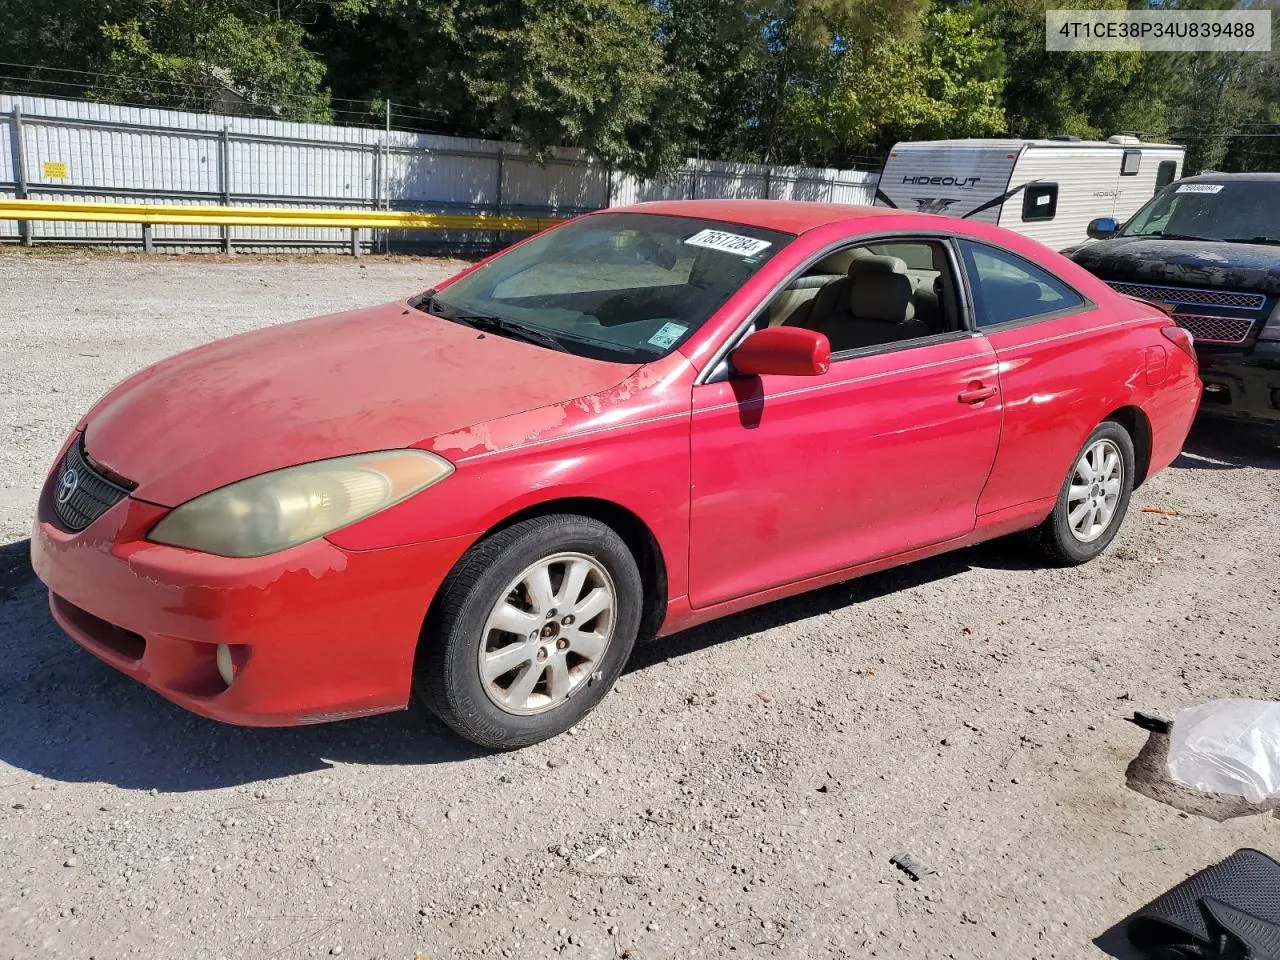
x: 1228, y: 746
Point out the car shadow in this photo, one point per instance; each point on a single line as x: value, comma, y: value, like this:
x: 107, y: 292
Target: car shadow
x: 1009, y: 553
x: 1225, y: 445
x: 72, y: 718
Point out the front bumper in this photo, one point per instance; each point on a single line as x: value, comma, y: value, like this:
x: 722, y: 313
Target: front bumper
x: 1241, y: 384
x: 319, y: 633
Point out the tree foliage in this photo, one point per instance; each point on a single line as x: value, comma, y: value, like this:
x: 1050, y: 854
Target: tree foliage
x: 867, y: 95
x: 645, y: 83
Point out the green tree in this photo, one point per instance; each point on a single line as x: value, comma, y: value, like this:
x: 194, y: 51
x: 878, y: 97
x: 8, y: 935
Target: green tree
x: 1088, y: 95
x: 576, y: 72
x: 581, y: 73
x: 943, y: 83
x: 194, y: 54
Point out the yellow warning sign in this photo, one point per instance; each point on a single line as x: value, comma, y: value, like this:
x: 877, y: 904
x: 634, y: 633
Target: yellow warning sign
x: 55, y: 168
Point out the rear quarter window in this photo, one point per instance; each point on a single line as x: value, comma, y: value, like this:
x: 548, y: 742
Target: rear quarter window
x: 1008, y: 288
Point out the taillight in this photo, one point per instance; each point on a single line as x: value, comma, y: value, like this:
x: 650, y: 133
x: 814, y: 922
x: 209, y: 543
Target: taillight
x: 1183, y: 338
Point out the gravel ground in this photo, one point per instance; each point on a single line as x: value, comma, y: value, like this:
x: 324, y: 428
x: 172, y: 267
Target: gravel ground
x: 740, y: 793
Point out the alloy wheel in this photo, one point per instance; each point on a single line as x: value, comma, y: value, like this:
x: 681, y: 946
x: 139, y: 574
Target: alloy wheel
x: 547, y: 633
x: 1095, y: 490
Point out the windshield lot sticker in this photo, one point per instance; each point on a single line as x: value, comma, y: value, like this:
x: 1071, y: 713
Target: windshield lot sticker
x: 1200, y: 188
x: 728, y: 242
x: 668, y: 335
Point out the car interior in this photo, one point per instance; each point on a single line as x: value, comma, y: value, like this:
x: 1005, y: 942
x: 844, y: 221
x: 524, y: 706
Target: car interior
x: 873, y: 295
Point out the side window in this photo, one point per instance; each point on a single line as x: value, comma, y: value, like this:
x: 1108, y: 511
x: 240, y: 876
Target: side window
x: 1040, y: 202
x: 879, y: 294
x: 1131, y: 163
x: 1007, y: 287
x: 1166, y: 173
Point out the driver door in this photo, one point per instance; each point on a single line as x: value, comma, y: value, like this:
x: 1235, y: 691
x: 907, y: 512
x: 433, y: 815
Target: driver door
x: 795, y: 477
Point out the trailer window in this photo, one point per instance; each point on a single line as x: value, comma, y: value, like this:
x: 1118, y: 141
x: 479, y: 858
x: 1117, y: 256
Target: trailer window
x: 1131, y: 163
x: 1166, y: 173
x: 1040, y: 202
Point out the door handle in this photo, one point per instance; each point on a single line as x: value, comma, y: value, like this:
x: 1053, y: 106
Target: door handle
x: 976, y: 392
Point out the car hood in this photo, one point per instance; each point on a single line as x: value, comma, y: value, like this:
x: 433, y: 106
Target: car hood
x: 375, y: 379
x: 1244, y: 266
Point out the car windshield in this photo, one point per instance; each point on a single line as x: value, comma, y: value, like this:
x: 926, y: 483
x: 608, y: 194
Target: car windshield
x: 626, y: 287
x: 1242, y: 211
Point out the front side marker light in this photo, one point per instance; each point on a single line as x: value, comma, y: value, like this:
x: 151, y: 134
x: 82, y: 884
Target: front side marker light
x: 281, y: 509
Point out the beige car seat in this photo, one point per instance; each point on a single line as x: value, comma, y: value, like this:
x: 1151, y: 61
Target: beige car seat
x: 794, y: 303
x: 871, y: 306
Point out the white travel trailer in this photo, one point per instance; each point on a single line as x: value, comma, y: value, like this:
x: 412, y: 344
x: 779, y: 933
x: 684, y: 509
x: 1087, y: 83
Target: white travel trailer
x: 1048, y: 190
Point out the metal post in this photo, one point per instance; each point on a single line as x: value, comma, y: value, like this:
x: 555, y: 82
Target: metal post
x: 148, y: 243
x: 375, y: 191
x: 386, y: 194
x: 224, y: 178
x: 693, y: 184
x: 502, y: 156
x: 384, y: 155
x: 19, y: 172
x: 608, y: 184
x: 355, y: 241
x: 768, y: 182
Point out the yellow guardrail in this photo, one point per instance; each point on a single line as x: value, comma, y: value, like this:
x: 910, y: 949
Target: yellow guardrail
x: 153, y: 213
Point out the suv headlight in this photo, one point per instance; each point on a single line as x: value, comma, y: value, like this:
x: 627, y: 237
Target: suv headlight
x: 273, y: 511
x: 1271, y: 329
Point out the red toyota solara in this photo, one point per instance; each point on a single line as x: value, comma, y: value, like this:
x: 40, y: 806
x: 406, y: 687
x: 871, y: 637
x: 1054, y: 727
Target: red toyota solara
x: 634, y: 422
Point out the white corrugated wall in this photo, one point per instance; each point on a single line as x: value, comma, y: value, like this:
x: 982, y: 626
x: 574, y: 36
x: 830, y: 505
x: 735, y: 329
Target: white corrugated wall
x: 75, y: 150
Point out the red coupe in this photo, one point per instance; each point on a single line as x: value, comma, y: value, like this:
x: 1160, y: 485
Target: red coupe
x: 637, y: 421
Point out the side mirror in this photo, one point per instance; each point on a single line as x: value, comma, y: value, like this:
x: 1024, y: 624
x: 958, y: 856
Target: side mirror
x: 785, y: 351
x: 1103, y: 228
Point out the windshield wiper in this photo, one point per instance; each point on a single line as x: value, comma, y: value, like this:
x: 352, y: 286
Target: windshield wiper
x: 1168, y: 236
x: 509, y: 328
x: 429, y: 303
x: 1271, y: 241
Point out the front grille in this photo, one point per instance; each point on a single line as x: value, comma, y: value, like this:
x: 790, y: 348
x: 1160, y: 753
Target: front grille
x: 1191, y: 295
x: 1215, y: 329
x: 81, y: 494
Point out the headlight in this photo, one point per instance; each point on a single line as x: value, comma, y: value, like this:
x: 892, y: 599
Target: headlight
x: 264, y: 514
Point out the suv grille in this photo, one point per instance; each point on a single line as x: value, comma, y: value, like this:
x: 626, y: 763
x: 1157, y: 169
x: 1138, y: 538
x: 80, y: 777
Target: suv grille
x: 1205, y: 327
x: 81, y: 494
x: 1215, y: 329
x: 1204, y: 298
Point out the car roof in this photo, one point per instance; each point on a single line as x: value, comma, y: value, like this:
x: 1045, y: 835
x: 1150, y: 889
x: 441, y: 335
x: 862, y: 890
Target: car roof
x: 789, y: 216
x: 1210, y: 177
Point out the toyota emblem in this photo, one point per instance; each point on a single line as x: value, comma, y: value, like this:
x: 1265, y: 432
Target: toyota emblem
x: 67, y: 485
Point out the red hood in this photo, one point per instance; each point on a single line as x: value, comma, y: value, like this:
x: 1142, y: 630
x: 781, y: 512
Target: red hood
x: 373, y: 379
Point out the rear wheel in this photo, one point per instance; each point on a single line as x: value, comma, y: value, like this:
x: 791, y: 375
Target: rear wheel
x: 1093, y: 500
x: 533, y: 627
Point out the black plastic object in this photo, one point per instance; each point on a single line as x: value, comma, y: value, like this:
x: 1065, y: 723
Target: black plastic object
x: 1149, y: 721
x: 913, y: 868
x: 1230, y: 911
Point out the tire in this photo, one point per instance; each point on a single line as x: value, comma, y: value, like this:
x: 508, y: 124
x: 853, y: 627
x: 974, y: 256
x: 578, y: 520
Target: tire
x: 1070, y: 544
x: 559, y: 669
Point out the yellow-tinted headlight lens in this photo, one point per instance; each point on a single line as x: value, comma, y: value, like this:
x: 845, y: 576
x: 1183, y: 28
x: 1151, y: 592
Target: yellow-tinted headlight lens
x: 281, y: 509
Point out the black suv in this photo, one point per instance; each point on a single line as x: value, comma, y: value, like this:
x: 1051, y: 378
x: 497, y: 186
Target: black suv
x: 1208, y: 248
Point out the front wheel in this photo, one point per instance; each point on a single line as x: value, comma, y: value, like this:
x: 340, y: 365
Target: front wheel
x: 533, y: 627
x: 1093, y: 500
